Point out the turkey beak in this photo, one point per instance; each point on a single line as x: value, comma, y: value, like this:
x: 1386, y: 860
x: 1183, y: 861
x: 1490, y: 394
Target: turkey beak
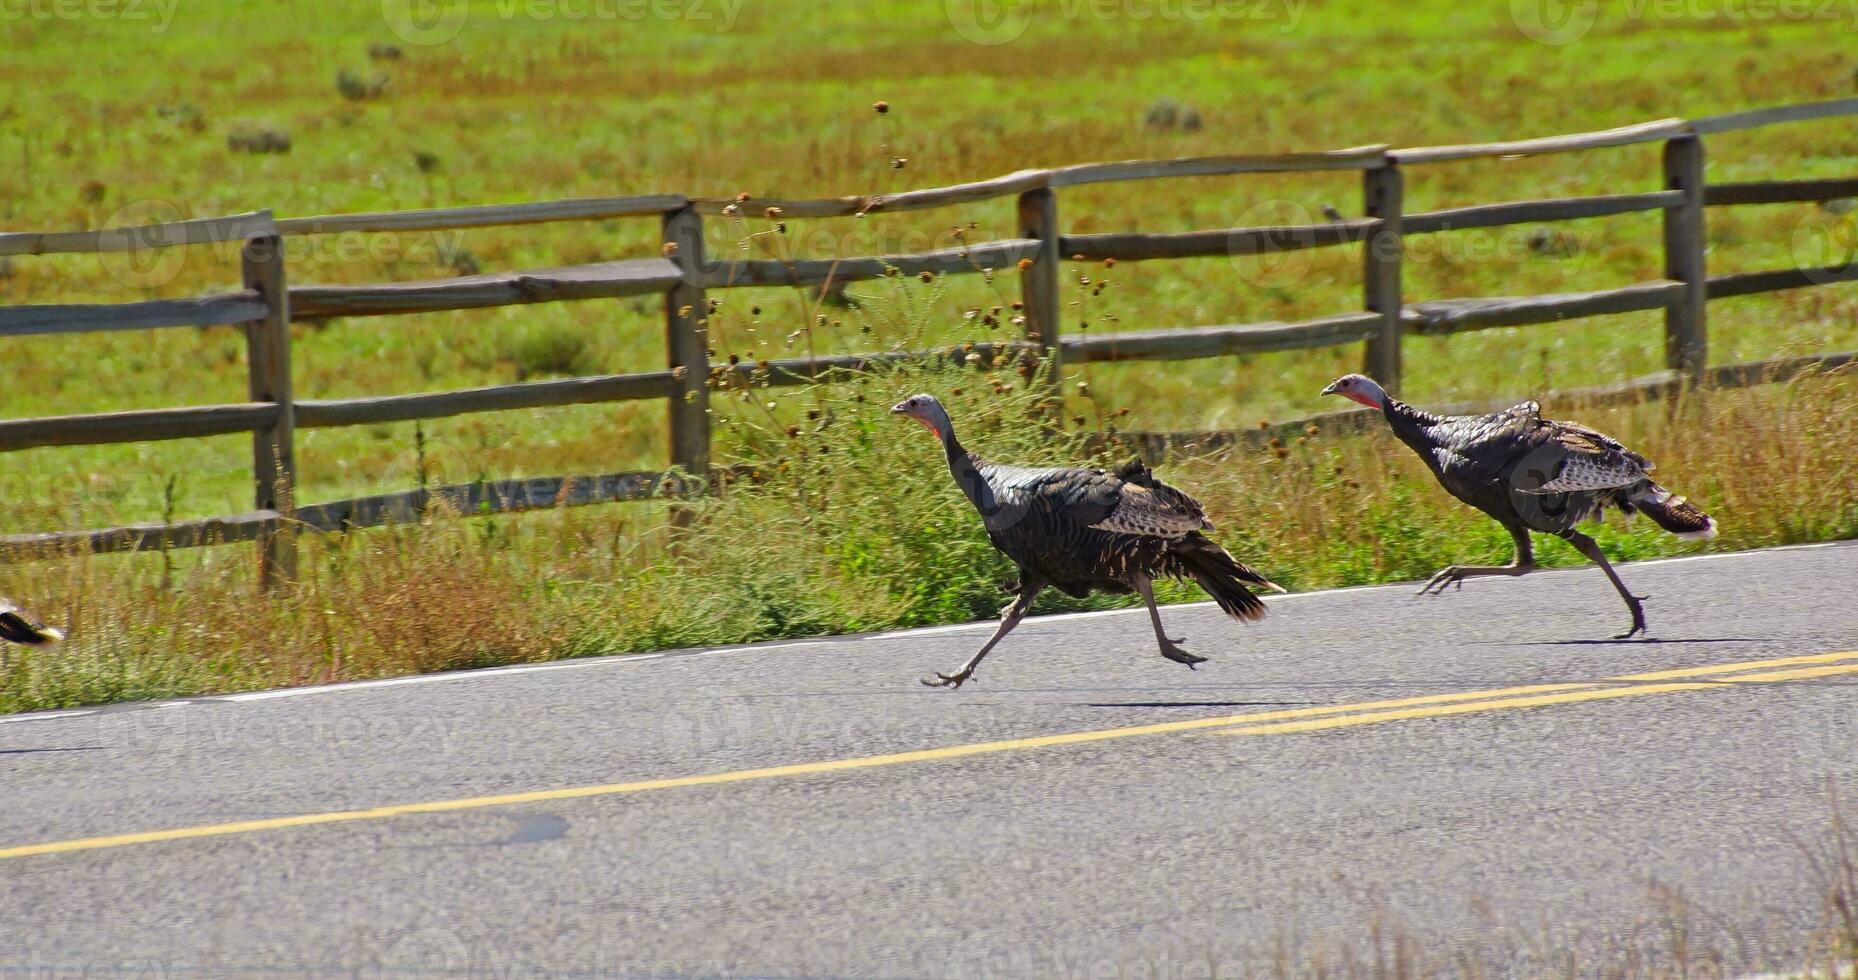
x: 1333, y: 388
x: 900, y: 408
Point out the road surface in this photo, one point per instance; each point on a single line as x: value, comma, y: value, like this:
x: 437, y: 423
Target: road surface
x: 1452, y: 780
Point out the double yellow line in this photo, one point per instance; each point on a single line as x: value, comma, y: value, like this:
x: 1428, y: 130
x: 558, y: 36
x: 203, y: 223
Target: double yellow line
x: 1544, y: 695
x: 1289, y: 721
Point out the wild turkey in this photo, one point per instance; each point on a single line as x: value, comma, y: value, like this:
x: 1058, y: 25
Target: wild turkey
x: 22, y: 627
x: 1532, y: 473
x: 1081, y: 529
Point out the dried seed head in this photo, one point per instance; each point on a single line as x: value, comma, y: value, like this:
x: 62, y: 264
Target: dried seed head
x: 881, y: 106
x: 1025, y: 264
x: 742, y: 198
x: 898, y: 163
x: 1109, y: 263
x: 926, y: 276
x: 670, y: 249
x: 772, y: 212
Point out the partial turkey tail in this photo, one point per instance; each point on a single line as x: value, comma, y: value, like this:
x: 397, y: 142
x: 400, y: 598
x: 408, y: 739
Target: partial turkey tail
x: 1673, y: 513
x: 1222, y: 577
x: 18, y: 626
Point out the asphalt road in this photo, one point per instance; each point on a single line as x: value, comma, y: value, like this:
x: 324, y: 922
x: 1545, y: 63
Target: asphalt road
x: 1566, y: 821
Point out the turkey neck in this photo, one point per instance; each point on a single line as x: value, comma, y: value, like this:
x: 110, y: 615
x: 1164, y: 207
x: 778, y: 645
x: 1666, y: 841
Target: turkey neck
x: 1410, y: 424
x: 964, y: 467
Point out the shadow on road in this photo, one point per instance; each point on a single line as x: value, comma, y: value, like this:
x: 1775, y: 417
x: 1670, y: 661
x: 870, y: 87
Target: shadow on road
x: 1635, y: 641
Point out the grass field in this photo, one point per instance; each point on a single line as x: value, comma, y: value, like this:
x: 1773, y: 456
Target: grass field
x: 531, y: 101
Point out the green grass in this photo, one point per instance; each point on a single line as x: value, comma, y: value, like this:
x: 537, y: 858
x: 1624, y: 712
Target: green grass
x: 522, y: 108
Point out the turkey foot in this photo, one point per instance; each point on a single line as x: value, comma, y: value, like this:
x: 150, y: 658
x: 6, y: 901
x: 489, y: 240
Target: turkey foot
x: 1586, y: 546
x: 954, y: 680
x: 1178, y: 655
x: 1636, y: 603
x: 1454, y: 575
x: 1029, y: 589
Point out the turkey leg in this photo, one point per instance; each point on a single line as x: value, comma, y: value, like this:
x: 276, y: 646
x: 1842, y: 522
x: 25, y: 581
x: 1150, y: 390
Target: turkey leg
x: 1169, y: 649
x: 1450, y: 575
x: 1586, y: 546
x: 1009, y: 618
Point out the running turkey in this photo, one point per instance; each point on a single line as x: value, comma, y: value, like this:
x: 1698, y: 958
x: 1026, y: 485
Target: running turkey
x: 21, y: 627
x: 1081, y: 529
x: 1532, y: 473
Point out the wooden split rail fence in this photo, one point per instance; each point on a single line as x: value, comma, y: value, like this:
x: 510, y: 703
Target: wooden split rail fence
x: 267, y: 304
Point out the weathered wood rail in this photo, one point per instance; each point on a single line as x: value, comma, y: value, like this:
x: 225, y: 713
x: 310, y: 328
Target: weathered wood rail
x: 683, y: 274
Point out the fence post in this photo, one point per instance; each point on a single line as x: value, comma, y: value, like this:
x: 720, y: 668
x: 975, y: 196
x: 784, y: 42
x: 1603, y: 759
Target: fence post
x: 1038, y: 218
x: 686, y: 343
x: 274, y: 464
x: 1383, y: 196
x: 1686, y: 325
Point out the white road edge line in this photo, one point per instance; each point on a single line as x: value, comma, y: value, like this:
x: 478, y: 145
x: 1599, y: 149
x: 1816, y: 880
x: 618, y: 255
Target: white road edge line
x: 456, y: 675
x: 987, y: 624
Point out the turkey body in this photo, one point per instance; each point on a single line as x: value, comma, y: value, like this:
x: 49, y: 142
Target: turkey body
x: 1541, y: 474
x: 1080, y: 530
x: 1532, y: 474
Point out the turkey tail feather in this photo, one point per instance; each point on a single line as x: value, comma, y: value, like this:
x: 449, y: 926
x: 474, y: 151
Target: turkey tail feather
x: 23, y: 630
x: 1673, y: 513
x: 1222, y: 577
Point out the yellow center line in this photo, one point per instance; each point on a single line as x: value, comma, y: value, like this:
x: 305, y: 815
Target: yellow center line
x: 1292, y: 719
x: 1544, y: 700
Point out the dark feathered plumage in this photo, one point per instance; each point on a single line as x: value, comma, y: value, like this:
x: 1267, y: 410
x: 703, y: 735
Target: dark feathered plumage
x: 22, y: 627
x: 1532, y: 474
x: 1079, y: 529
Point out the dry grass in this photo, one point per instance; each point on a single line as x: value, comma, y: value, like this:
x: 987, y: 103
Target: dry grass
x: 854, y: 525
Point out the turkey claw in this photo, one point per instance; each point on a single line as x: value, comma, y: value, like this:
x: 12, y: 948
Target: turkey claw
x: 1180, y: 656
x: 954, y: 680
x: 1448, y: 576
x: 1638, y: 618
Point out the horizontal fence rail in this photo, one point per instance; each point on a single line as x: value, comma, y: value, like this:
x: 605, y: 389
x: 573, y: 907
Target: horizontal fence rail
x: 205, y: 311
x: 138, y: 426
x: 323, y: 413
x: 604, y: 280
x: 683, y: 274
x: 200, y: 231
